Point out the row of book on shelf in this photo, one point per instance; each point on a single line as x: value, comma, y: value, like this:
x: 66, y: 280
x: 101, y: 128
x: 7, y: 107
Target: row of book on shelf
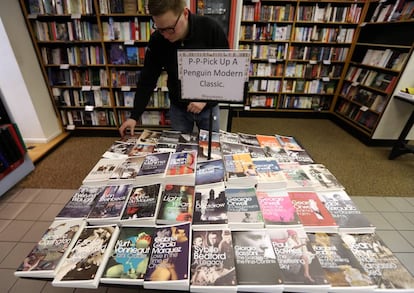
x: 258, y: 216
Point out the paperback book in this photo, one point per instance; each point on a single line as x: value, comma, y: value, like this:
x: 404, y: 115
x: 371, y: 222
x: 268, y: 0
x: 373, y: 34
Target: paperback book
x: 176, y: 204
x: 209, y: 172
x: 326, y: 181
x: 141, y: 149
x: 249, y: 139
x: 297, y: 179
x: 86, y: 260
x: 44, y: 258
x: 128, y: 170
x: 118, y: 150
x: 228, y: 148
x: 149, y: 136
x: 257, y: 269
x: 181, y: 168
x: 102, y: 171
x: 130, y: 256
x: 169, y: 263
x: 153, y: 168
x: 212, y: 261
x: 142, y: 205
x: 267, y: 140
x: 269, y: 175
x: 278, y: 153
x: 288, y: 142
x: 240, y: 170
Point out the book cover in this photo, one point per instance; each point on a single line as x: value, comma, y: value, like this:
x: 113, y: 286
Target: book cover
x: 165, y: 147
x: 269, y: 175
x: 210, y: 205
x: 102, y: 170
x: 186, y: 147
x: 312, y: 213
x: 142, y: 205
x: 85, y: 262
x: 229, y: 148
x: 128, y: 170
x: 169, y: 264
x: 243, y: 210
x: 301, y: 157
x: 181, y: 168
x: 209, y: 172
x: 288, y: 142
x: 301, y: 268
x: 44, y: 258
x: 325, y: 179
x: 118, y: 150
x: 346, y: 214
x: 384, y: 268
x: 277, y: 208
x: 153, y: 167
x: 240, y: 170
x: 141, y: 149
x: 225, y: 136
x: 149, y: 136
x: 298, y: 179
x: 169, y: 136
x: 212, y: 266
x: 267, y: 140
x: 110, y: 204
x: 257, y: 269
x: 256, y: 152
x: 343, y: 271
x: 81, y: 203
x: 215, y: 151
x: 176, y: 204
x: 278, y: 153
x: 249, y: 139
x: 130, y: 256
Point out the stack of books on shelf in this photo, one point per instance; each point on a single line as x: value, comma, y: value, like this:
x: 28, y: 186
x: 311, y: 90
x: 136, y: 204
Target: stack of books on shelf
x: 262, y: 216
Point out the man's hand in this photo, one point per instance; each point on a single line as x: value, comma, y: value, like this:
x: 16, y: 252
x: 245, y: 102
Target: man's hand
x: 196, y: 107
x: 129, y: 123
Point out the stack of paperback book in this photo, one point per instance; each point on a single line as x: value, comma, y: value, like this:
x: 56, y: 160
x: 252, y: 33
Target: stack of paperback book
x: 258, y: 216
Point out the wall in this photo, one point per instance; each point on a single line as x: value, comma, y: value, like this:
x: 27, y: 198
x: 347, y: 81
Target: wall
x: 21, y: 79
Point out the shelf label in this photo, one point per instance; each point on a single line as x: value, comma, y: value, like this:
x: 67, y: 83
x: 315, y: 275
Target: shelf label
x: 70, y: 127
x: 272, y: 60
x: 32, y: 16
x: 247, y: 108
x: 363, y: 108
x: 96, y: 87
x: 325, y: 78
x: 89, y: 108
x: 64, y: 66
x: 75, y: 16
x: 327, y: 62
x: 129, y: 42
x: 313, y: 62
x: 125, y: 88
x: 86, y: 88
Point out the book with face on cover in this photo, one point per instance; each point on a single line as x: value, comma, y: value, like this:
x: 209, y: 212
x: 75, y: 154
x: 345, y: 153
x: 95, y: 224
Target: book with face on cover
x: 84, y: 264
x: 130, y: 256
x: 181, y: 168
x: 118, y: 150
x: 326, y: 181
x: 45, y: 257
x: 169, y: 263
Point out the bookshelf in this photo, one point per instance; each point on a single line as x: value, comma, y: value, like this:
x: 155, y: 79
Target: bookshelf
x: 299, y: 51
x: 379, y: 59
x: 91, y: 53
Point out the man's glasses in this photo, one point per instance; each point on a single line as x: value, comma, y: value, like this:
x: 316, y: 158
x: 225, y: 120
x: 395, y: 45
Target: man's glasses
x: 168, y: 30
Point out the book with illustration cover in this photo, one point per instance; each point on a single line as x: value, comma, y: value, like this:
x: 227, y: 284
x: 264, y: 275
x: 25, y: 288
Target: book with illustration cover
x: 128, y: 170
x: 312, y: 212
x: 102, y: 171
x: 118, y: 150
x: 239, y: 170
x: 81, y: 203
x: 110, y: 204
x: 141, y: 149
x: 277, y: 208
x: 298, y: 179
x: 210, y: 205
x: 229, y: 148
x: 176, y: 204
x: 169, y: 263
x: 257, y: 269
x: 181, y: 168
x: 165, y: 147
x: 149, y: 136
x: 130, y: 256
x: 326, y: 181
x: 249, y: 139
x: 153, y: 168
x: 288, y: 142
x: 268, y: 140
x: 256, y: 152
x: 243, y: 210
x: 225, y: 136
x: 142, y: 205
x: 301, y: 268
x: 212, y: 267
x: 342, y: 269
x: 186, y: 147
x: 269, y: 175
x: 86, y: 260
x: 381, y: 264
x: 43, y: 260
x: 345, y: 212
x: 209, y: 172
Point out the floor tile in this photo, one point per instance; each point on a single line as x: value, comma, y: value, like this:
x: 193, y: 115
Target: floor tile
x: 398, y: 220
x: 401, y: 204
x: 4, y: 224
x: 27, y: 285
x: 64, y: 196
x: 16, y: 255
x: 51, y: 212
x: 407, y: 259
x: 15, y: 230
x: 47, y: 196
x: 10, y: 195
x: 7, y: 280
x: 99, y: 290
x: 12, y: 210
x: 26, y: 195
x: 363, y: 204
x: 395, y: 241
x: 50, y: 289
x: 32, y: 211
x: 410, y: 200
x: 381, y: 204
x: 378, y: 221
x: 5, y: 248
x: 36, y: 232
x: 410, y: 216
x: 409, y: 236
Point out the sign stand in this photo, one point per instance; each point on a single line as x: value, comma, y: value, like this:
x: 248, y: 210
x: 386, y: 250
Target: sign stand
x: 214, y: 76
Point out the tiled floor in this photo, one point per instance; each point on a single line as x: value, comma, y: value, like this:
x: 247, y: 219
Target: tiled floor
x: 26, y: 213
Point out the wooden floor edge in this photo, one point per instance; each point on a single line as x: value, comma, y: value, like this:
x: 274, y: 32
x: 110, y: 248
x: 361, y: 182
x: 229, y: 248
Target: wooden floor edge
x: 38, y: 151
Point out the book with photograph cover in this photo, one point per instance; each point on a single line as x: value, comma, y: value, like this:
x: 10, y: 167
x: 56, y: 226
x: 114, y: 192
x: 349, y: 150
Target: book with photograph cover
x: 312, y: 212
x: 301, y: 268
x: 81, y: 203
x: 86, y: 260
x: 169, y: 263
x: 243, y: 210
x: 110, y: 204
x: 212, y: 265
x: 278, y: 153
x: 153, y: 168
x: 256, y: 152
x: 277, y: 208
x: 130, y: 256
x: 43, y: 260
x: 186, y: 147
x: 229, y: 148
x: 142, y: 205
x: 381, y: 264
x: 209, y: 172
x: 257, y: 269
x: 300, y: 156
x: 149, y: 136
x: 326, y: 180
x: 249, y: 139
x: 176, y: 204
x: 127, y: 171
x: 268, y: 140
x: 210, y: 205
x: 298, y: 179
x: 169, y: 136
x: 225, y: 136
x: 165, y: 147
x: 289, y: 142
x: 181, y: 168
x: 342, y: 269
x: 102, y: 171
x: 345, y: 212
x: 239, y: 170
x: 118, y: 150
x: 269, y: 175
x: 141, y: 149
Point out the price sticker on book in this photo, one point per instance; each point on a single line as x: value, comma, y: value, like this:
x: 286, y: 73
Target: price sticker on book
x: 96, y: 87
x: 32, y: 16
x: 327, y: 62
x: 247, y: 108
x: 272, y: 60
x: 313, y: 62
x: 326, y: 78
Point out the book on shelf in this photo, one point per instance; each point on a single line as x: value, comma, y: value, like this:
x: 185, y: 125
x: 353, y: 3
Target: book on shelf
x: 130, y: 256
x: 169, y: 263
x: 210, y: 205
x: 142, y: 205
x: 325, y: 179
x: 342, y: 269
x: 128, y: 170
x: 102, y: 171
x: 209, y: 172
x: 176, y: 204
x: 110, y: 204
x: 86, y: 260
x: 268, y: 174
x: 381, y: 264
x: 44, y: 259
x: 243, y: 210
x: 181, y: 168
x: 312, y: 212
x: 345, y: 212
x: 117, y: 53
x: 277, y: 208
x: 212, y: 264
x: 257, y: 269
x: 301, y: 268
x: 153, y: 168
x: 81, y: 202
